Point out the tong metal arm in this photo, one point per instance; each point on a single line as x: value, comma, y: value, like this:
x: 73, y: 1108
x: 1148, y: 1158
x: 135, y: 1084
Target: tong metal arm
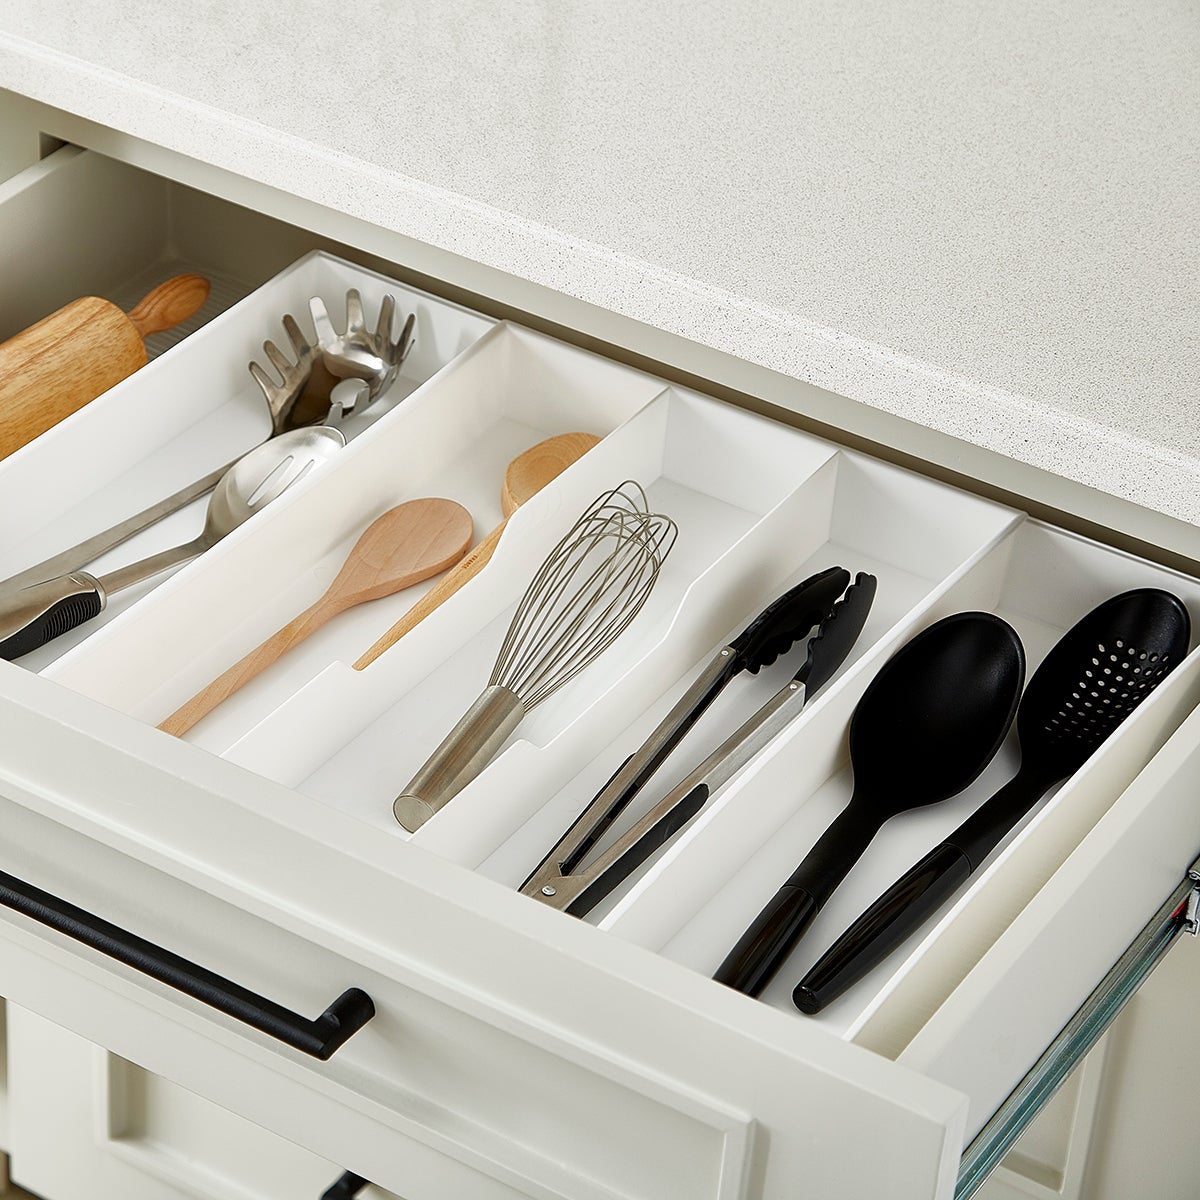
x: 560, y: 881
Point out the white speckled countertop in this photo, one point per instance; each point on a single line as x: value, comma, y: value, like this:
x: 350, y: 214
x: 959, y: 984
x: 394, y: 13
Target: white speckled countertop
x: 981, y: 217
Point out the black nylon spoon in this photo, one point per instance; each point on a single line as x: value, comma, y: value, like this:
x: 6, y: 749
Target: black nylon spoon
x: 1092, y: 679
x: 926, y: 726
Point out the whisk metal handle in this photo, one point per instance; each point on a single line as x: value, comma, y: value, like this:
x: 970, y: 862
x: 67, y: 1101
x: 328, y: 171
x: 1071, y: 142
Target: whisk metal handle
x: 466, y: 750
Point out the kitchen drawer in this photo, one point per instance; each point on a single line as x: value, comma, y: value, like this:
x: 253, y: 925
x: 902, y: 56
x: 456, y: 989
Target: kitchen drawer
x: 516, y: 1051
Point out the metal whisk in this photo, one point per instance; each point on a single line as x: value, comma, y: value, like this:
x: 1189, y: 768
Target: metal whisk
x: 591, y: 586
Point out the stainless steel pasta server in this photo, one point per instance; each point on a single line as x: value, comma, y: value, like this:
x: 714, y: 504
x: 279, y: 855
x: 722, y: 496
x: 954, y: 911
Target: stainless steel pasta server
x: 333, y: 375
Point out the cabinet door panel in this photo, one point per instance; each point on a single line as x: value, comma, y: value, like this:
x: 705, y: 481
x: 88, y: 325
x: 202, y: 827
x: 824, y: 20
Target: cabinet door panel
x: 92, y: 1125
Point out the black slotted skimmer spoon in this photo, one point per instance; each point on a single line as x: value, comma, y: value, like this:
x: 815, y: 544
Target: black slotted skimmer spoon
x: 926, y: 726
x: 1092, y: 679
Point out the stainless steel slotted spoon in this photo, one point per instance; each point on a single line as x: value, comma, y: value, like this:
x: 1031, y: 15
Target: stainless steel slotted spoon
x: 333, y: 376
x: 33, y: 616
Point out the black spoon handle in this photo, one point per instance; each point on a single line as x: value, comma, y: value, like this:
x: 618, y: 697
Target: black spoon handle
x: 983, y: 830
x: 761, y: 950
x: 900, y: 911
x: 918, y: 893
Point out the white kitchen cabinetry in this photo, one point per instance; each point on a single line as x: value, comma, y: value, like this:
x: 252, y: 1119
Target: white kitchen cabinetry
x: 92, y: 1124
x: 514, y: 1052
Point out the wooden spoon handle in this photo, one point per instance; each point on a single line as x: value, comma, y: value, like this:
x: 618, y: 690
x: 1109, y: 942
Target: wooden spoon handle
x: 467, y: 569
x: 169, y: 304
x: 251, y: 665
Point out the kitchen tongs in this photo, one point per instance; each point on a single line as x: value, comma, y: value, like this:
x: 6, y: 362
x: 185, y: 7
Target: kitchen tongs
x: 561, y: 882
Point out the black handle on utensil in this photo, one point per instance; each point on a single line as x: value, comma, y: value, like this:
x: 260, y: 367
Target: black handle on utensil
x: 761, y: 950
x: 35, y: 615
x: 345, y: 1187
x: 983, y: 830
x: 919, y: 892
x: 899, y: 912
x: 630, y: 787
x: 319, y: 1037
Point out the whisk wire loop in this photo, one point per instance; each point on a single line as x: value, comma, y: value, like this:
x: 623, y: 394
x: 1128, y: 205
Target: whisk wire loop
x: 590, y: 587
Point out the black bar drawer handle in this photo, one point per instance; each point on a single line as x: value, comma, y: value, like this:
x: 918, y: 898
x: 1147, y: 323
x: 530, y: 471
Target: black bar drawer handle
x: 345, y: 1187
x: 320, y: 1037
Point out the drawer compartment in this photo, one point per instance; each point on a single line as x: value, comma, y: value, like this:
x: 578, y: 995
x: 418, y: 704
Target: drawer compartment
x: 185, y: 415
x: 79, y: 224
x: 452, y: 439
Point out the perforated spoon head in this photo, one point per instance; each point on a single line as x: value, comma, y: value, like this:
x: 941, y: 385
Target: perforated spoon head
x: 1097, y: 674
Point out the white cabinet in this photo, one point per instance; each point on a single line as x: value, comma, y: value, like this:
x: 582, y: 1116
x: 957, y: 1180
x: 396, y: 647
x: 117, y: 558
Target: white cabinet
x: 514, y: 1052
x: 91, y: 1124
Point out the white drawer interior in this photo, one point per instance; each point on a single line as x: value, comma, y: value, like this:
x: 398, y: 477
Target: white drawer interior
x: 759, y: 507
x: 79, y: 224
x: 186, y: 414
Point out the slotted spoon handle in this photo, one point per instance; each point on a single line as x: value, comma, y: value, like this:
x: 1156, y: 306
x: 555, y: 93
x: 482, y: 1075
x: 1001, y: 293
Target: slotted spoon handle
x: 901, y: 910
x: 32, y: 616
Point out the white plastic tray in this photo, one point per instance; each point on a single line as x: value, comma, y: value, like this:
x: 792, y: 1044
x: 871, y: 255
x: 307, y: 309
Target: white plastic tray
x: 759, y: 507
x: 183, y: 415
x: 694, y: 905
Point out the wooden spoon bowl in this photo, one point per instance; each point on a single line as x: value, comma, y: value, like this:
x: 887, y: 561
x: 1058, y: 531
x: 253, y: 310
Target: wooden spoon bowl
x: 524, y: 477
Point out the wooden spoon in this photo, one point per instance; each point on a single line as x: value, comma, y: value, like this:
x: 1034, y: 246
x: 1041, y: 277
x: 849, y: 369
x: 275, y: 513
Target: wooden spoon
x: 407, y: 544
x: 526, y: 475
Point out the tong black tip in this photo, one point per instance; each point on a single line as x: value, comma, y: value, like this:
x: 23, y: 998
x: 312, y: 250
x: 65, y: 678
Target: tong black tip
x: 788, y: 619
x: 838, y: 633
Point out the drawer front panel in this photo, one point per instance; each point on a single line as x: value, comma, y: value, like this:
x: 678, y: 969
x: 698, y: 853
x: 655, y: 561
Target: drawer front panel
x: 92, y: 1124
x: 522, y: 1051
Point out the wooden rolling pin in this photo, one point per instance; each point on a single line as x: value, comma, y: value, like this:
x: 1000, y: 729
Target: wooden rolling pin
x: 55, y: 367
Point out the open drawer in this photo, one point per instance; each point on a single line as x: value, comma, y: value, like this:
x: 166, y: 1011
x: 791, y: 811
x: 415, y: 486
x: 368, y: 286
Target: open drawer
x: 515, y: 1051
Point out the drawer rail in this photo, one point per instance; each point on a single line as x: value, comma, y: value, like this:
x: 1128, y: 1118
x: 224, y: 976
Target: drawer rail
x: 1177, y: 915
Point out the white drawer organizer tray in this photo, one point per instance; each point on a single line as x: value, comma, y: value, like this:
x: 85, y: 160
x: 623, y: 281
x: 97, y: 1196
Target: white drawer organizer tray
x: 192, y: 412
x: 517, y: 1051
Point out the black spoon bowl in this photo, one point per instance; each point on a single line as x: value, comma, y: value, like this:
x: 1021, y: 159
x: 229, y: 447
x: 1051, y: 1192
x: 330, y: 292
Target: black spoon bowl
x: 1092, y: 679
x: 925, y: 728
